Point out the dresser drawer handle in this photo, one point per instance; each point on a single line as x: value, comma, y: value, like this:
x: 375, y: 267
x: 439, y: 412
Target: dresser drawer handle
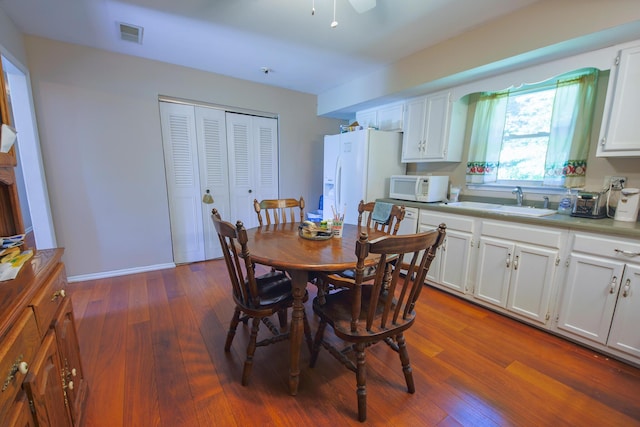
x: 627, y: 253
x: 61, y: 293
x: 18, y: 366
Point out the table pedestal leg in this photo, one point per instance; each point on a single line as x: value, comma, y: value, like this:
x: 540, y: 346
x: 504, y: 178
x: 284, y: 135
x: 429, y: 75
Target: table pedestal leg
x: 299, y: 284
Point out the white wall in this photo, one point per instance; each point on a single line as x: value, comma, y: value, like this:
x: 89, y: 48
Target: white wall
x: 99, y: 127
x: 11, y: 43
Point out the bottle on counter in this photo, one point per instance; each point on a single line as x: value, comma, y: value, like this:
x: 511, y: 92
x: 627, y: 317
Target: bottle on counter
x: 566, y: 203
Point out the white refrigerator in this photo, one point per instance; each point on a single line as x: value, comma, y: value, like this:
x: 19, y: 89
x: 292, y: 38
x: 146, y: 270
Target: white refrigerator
x: 357, y: 166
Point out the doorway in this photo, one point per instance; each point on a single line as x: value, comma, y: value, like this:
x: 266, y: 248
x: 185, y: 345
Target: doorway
x: 30, y: 176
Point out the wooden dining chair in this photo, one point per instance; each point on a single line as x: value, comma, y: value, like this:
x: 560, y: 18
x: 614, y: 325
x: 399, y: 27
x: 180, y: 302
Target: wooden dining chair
x: 279, y: 211
x: 391, y: 226
x: 365, y: 219
x: 257, y: 297
x: 364, y: 315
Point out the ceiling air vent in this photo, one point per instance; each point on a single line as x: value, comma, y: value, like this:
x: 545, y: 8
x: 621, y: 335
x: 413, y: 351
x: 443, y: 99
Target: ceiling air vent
x: 130, y: 33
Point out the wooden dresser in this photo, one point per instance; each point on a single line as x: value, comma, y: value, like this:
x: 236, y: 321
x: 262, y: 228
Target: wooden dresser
x: 41, y: 373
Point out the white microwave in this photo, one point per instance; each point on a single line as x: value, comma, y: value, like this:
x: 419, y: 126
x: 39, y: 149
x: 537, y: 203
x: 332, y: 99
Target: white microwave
x: 419, y: 188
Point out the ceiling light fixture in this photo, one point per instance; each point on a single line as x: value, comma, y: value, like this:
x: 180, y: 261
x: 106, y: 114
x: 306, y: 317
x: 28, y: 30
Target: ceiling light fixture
x: 334, y: 23
x: 360, y: 6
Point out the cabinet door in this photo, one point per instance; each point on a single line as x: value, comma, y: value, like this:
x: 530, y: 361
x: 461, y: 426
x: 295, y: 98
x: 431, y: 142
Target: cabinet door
x: 70, y: 364
x: 20, y: 415
x: 589, y: 296
x: 531, y: 281
x: 413, y: 138
x: 622, y: 126
x: 390, y: 118
x: 367, y: 119
x: 435, y: 270
x: 44, y: 388
x: 624, y: 334
x: 455, y: 260
x: 436, y: 126
x: 494, y: 270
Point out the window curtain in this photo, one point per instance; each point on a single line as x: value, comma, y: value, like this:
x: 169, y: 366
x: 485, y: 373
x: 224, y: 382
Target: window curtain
x: 486, y: 138
x: 570, y: 133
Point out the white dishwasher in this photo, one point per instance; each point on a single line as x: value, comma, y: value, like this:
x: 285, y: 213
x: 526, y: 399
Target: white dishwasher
x: 409, y: 224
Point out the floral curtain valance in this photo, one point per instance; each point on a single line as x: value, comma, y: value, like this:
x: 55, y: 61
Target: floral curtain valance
x: 569, y: 135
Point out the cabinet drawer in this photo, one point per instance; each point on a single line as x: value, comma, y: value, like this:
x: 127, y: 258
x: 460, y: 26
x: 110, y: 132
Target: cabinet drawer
x: 48, y: 299
x: 20, y: 345
x: 453, y: 222
x: 523, y: 233
x: 613, y: 247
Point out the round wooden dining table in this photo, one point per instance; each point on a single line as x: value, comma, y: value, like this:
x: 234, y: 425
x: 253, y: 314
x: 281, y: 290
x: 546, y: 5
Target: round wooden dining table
x: 280, y: 246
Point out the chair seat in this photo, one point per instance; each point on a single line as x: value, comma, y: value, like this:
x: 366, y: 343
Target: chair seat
x: 369, y: 273
x: 273, y: 287
x: 336, y: 311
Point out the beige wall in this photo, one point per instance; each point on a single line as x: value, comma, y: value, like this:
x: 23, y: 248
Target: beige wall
x: 99, y: 127
x: 546, y: 30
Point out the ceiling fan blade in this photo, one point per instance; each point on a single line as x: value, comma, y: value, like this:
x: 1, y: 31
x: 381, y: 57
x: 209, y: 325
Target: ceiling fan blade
x: 361, y: 6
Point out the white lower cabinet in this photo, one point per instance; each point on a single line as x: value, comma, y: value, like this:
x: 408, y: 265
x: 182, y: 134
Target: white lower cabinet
x: 451, y: 267
x: 588, y: 283
x: 601, y: 299
x: 516, y: 268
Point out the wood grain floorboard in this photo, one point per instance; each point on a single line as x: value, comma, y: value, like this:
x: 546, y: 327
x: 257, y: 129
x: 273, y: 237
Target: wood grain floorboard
x: 152, y: 348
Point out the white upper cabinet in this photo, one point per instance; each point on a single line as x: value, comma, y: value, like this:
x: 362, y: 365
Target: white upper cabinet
x: 387, y: 117
x: 620, y: 131
x: 433, y: 129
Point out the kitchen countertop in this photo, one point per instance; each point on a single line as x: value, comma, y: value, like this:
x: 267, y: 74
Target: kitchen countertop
x: 603, y: 225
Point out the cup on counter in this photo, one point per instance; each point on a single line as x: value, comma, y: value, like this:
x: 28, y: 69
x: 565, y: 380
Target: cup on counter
x: 454, y: 194
x: 336, y: 227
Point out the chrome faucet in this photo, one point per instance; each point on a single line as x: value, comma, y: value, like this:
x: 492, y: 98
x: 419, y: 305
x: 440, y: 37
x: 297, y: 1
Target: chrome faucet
x: 518, y: 192
x: 546, y: 202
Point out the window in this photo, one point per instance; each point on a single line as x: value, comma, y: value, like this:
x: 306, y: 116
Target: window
x: 526, y: 135
x: 535, y: 135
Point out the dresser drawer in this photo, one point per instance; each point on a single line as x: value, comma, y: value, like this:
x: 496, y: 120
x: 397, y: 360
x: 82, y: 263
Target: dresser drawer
x: 20, y: 345
x: 49, y: 298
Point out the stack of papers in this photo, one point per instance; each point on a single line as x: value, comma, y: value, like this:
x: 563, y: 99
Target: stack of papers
x: 11, y: 258
x: 11, y: 241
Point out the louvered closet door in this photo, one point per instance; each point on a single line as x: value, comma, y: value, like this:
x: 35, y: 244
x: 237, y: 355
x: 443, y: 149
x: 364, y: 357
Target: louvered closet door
x: 252, y: 144
x: 214, y: 172
x: 183, y: 186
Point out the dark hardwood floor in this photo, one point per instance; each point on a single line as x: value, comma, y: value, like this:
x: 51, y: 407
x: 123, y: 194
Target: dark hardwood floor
x: 152, y: 348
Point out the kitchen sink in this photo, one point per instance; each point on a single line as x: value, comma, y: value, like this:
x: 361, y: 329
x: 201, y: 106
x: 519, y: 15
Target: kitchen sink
x: 479, y: 206
x: 501, y: 209
x: 525, y: 210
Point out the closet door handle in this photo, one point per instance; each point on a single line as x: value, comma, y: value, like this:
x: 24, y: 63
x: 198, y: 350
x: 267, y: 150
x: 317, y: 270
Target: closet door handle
x: 613, y: 285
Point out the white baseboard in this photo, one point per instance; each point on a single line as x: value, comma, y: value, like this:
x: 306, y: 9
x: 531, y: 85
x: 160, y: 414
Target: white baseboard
x: 115, y: 273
